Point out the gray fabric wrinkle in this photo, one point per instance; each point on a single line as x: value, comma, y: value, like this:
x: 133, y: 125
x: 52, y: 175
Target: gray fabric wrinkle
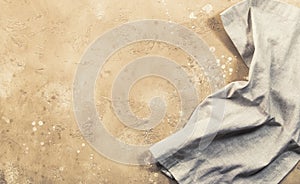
x: 258, y: 136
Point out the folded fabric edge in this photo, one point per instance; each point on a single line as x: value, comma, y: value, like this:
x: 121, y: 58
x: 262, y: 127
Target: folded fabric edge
x: 167, y: 162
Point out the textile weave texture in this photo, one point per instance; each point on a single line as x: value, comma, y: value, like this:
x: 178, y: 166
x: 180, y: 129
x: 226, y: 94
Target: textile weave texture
x: 255, y: 124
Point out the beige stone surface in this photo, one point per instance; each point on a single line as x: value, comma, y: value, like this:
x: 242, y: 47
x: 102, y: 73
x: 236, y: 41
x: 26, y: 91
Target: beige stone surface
x: 42, y: 42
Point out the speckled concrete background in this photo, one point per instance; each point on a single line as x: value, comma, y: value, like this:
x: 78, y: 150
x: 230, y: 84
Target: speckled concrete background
x: 41, y: 45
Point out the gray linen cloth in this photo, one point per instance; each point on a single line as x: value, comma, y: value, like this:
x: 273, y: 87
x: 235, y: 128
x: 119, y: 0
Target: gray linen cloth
x: 255, y: 124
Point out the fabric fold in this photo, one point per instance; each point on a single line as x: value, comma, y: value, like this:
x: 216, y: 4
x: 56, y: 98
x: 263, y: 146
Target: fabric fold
x: 247, y: 131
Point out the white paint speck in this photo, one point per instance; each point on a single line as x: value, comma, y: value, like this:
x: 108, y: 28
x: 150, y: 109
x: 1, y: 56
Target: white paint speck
x: 223, y: 66
x: 41, y: 123
x: 229, y: 58
x: 97, y: 8
x: 207, y: 8
x: 33, y: 123
x: 230, y: 70
x: 192, y: 15
x: 180, y: 113
x: 212, y: 49
x: 42, y: 143
x: 78, y: 151
x: 83, y: 144
x: 224, y: 76
x: 34, y: 129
